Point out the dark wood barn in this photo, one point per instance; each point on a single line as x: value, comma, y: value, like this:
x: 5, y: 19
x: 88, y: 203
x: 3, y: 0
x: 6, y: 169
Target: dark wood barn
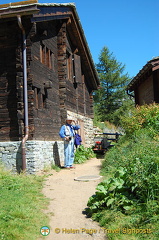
x: 46, y: 72
x: 145, y: 85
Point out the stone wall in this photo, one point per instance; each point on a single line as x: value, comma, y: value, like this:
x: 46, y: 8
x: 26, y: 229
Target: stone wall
x: 87, y: 132
x: 43, y: 154
x: 10, y: 155
x: 39, y: 155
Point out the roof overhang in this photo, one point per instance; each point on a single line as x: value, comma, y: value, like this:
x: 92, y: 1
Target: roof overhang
x: 40, y: 12
x: 18, y: 8
x: 150, y: 67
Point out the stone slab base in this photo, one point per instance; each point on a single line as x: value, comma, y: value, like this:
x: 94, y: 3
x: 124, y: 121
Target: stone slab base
x: 39, y: 155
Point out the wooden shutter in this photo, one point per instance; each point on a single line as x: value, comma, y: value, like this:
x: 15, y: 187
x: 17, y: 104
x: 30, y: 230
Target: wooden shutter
x: 77, y: 65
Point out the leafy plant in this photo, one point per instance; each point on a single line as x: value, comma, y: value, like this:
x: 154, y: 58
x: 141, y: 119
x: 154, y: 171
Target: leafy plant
x: 132, y: 191
x: 146, y: 116
x: 82, y: 154
x: 113, y: 193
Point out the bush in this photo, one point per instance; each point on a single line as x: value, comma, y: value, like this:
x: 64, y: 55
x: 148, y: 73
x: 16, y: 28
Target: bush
x: 113, y: 193
x: 82, y: 154
x: 133, y: 188
x: 146, y: 116
x: 140, y: 157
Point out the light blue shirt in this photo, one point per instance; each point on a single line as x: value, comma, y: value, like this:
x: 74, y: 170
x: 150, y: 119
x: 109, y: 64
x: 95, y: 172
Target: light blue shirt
x: 64, y: 130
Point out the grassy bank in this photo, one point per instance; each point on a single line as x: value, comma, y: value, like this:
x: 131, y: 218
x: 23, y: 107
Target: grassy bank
x: 21, y: 202
x: 126, y: 203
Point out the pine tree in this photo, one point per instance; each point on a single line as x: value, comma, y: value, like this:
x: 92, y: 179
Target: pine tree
x: 111, y: 94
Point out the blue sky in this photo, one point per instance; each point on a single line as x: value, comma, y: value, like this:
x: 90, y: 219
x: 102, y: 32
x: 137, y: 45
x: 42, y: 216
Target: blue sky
x: 129, y: 28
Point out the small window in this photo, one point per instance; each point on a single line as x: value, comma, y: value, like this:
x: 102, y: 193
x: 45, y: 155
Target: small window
x: 44, y: 97
x: 42, y: 54
x: 69, y: 65
x: 47, y: 57
x: 52, y: 59
x: 40, y: 98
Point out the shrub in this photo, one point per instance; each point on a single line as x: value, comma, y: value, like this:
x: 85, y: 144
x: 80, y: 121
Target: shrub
x: 113, y: 193
x: 82, y: 154
x: 146, y: 116
x: 140, y: 157
x: 133, y: 188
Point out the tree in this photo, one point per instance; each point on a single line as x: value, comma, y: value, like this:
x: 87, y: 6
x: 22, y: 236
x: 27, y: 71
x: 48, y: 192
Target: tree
x: 111, y: 94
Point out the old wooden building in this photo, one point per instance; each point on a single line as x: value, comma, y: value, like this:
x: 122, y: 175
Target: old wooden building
x: 46, y: 74
x: 145, y: 85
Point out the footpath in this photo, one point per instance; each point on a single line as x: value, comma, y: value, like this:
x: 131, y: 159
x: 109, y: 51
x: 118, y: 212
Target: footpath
x: 68, y: 200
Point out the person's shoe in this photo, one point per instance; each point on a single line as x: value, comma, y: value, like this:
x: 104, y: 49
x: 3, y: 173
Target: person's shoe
x: 72, y: 167
x: 67, y: 167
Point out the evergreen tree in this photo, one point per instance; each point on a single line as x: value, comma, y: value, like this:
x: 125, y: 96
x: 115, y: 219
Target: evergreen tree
x: 111, y: 94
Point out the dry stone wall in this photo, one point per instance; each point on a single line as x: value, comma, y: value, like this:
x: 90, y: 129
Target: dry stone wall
x: 87, y: 127
x: 39, y: 155
x: 42, y: 154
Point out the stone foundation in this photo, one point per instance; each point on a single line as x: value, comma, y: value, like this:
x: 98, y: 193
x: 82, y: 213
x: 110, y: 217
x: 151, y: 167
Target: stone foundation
x: 39, y: 155
x: 43, y: 154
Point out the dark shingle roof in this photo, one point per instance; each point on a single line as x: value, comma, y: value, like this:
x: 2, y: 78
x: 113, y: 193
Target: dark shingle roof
x: 31, y: 7
x: 152, y: 64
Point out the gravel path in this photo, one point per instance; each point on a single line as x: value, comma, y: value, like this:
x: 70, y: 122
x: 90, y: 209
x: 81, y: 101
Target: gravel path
x: 68, y: 200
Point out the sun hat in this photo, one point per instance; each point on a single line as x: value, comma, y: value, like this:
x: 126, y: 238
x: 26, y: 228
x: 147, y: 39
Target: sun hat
x: 70, y: 118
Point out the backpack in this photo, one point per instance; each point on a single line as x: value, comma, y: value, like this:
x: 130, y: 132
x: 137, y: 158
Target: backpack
x: 77, y: 139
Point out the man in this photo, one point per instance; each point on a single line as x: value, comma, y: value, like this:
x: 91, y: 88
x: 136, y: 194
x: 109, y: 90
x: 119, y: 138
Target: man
x: 67, y: 133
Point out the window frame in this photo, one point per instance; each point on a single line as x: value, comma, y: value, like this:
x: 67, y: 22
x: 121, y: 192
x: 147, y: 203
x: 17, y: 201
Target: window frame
x: 47, y: 57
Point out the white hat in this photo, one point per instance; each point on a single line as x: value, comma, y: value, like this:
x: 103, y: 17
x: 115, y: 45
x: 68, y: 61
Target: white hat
x: 70, y: 118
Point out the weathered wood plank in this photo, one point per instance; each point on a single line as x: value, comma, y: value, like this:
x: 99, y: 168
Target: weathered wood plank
x: 18, y: 3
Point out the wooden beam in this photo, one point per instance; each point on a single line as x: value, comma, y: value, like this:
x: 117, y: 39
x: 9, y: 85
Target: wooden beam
x: 18, y: 3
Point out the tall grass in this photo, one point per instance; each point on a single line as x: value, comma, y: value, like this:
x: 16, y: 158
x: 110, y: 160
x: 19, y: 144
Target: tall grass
x: 21, y: 203
x: 129, y: 198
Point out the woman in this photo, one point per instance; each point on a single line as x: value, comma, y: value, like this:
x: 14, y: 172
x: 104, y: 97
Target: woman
x: 67, y: 133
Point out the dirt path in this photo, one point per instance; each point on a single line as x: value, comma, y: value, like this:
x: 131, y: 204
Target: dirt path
x: 68, y: 199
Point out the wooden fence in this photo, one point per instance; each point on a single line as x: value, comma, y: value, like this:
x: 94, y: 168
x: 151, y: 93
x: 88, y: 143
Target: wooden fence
x: 110, y: 138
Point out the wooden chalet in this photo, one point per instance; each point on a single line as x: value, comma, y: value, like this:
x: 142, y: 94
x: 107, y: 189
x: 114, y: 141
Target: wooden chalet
x: 46, y: 72
x: 145, y: 85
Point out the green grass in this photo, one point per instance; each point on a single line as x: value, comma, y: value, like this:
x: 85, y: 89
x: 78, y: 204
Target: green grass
x: 128, y: 198
x: 129, y: 201
x: 21, y: 202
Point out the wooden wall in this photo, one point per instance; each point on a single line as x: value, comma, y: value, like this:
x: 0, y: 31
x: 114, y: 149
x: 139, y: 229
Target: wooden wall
x: 8, y: 95
x: 156, y: 85
x: 45, y: 84
x: 75, y: 94
x: 146, y: 92
x: 56, y: 81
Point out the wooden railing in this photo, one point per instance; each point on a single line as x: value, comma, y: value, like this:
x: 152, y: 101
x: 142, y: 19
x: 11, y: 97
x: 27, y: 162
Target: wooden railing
x: 111, y: 134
